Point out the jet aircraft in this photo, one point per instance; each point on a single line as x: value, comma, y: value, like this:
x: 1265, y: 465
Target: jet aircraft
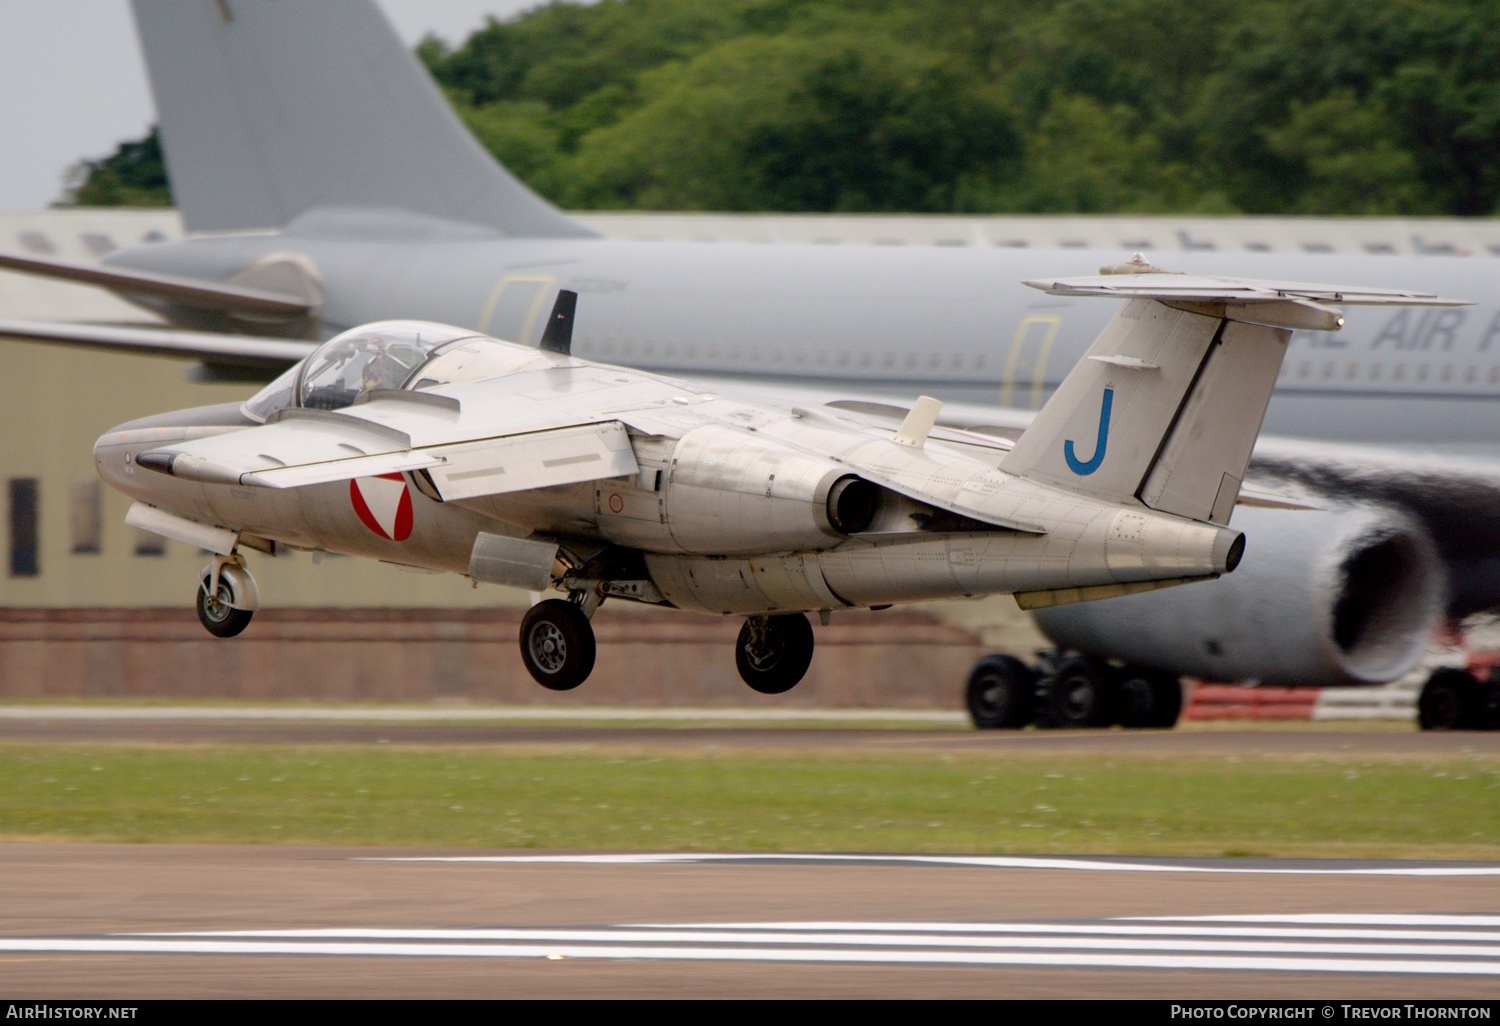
x: 443, y: 449
x: 328, y: 185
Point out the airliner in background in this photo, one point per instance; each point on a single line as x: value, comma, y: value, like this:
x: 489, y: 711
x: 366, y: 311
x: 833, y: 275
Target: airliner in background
x: 326, y: 183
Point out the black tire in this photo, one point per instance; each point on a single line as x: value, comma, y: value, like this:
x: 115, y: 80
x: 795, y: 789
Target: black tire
x: 1148, y: 698
x: 1081, y: 693
x: 1487, y: 708
x: 1448, y: 700
x: 557, y: 645
x: 216, y: 614
x: 1168, y: 706
x: 774, y: 663
x: 999, y: 693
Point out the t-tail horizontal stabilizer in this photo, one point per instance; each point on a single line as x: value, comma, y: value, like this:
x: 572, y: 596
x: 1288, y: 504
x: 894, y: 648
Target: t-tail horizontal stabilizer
x: 1168, y: 402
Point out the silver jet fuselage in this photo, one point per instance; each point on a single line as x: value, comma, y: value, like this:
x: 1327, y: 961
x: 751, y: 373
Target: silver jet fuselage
x: 735, y: 506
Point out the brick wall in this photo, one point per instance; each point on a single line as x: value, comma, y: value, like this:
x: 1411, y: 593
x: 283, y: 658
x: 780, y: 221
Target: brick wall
x: 646, y: 657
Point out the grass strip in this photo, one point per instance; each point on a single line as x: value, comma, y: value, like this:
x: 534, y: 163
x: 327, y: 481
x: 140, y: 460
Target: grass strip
x: 1409, y: 807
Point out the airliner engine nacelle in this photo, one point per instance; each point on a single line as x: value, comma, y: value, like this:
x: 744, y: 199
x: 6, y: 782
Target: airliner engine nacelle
x: 1322, y: 598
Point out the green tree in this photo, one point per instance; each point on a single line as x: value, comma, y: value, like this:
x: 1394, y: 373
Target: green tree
x: 1267, y: 106
x: 793, y: 123
x: 1381, y: 78
x: 133, y: 176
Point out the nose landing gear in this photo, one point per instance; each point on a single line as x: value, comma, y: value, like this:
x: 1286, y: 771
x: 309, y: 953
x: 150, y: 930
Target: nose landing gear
x: 227, y: 596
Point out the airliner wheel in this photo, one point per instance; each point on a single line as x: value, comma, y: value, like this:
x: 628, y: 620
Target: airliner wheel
x: 1148, y: 698
x: 557, y: 645
x: 1080, y: 693
x: 1487, y: 708
x: 774, y: 652
x: 215, y: 612
x: 1448, y: 700
x: 999, y: 693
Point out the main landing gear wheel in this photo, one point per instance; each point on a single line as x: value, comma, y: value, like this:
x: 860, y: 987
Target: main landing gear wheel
x: 1149, y: 698
x: 1487, y: 708
x: 999, y: 694
x: 557, y: 644
x: 774, y: 652
x: 1449, y: 700
x: 216, y: 612
x: 1081, y: 693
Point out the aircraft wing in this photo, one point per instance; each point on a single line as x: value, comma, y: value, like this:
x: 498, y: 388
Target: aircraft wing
x: 1453, y: 492
x: 252, y: 351
x: 407, y: 432
x: 194, y: 292
x: 493, y: 466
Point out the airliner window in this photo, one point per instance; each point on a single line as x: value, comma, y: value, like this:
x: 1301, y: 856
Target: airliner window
x: 375, y: 356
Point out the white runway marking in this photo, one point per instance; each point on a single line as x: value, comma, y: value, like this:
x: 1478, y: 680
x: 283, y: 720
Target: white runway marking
x: 1322, y: 918
x: 982, y: 861
x: 1280, y: 945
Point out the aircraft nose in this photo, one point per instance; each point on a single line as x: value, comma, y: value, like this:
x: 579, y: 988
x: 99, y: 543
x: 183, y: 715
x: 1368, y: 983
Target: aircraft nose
x: 115, y: 451
x: 112, y: 455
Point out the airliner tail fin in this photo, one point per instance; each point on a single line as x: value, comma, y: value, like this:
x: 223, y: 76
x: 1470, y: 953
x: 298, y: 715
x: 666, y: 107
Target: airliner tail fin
x: 270, y: 110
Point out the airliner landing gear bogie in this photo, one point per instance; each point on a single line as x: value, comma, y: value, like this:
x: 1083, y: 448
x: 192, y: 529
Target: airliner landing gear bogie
x: 557, y: 644
x: 774, y: 652
x: 1067, y: 690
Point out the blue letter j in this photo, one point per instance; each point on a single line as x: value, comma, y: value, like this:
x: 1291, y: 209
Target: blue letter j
x: 1085, y: 469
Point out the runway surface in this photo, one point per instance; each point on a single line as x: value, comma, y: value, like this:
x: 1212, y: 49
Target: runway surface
x: 119, y: 921
x: 892, y: 730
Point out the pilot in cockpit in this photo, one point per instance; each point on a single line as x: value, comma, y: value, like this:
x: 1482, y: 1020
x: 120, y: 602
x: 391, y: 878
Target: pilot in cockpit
x: 358, y: 361
x: 375, y: 372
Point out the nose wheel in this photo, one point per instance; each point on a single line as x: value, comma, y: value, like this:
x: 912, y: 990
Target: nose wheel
x: 217, y: 611
x: 557, y: 644
x: 774, y: 652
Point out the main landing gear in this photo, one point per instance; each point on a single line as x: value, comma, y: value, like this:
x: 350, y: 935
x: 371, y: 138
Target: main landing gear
x: 1062, y: 690
x: 1454, y: 699
x: 227, y: 596
x: 558, y: 648
x: 557, y: 644
x: 773, y: 652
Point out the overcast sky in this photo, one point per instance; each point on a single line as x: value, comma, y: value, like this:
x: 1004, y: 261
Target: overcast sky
x: 72, y: 83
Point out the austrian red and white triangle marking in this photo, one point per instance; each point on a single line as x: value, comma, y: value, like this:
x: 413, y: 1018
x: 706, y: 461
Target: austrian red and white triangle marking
x: 383, y: 504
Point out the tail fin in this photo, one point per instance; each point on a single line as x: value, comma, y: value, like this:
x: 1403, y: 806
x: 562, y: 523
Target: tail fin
x: 269, y: 110
x: 1166, y: 405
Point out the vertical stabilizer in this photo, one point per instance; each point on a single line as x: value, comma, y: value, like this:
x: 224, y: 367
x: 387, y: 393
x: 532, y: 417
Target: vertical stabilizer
x: 271, y: 109
x: 1165, y: 407
x: 1101, y: 432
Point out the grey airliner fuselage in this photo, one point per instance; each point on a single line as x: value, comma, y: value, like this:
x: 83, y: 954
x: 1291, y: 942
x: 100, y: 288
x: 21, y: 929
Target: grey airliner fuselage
x: 887, y: 321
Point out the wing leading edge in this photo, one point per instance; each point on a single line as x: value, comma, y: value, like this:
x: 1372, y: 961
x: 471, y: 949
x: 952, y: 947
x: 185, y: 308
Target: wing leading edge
x: 269, y: 354
x: 330, y: 447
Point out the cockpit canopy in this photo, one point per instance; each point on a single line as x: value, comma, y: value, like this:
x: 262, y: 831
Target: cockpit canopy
x: 372, y: 356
